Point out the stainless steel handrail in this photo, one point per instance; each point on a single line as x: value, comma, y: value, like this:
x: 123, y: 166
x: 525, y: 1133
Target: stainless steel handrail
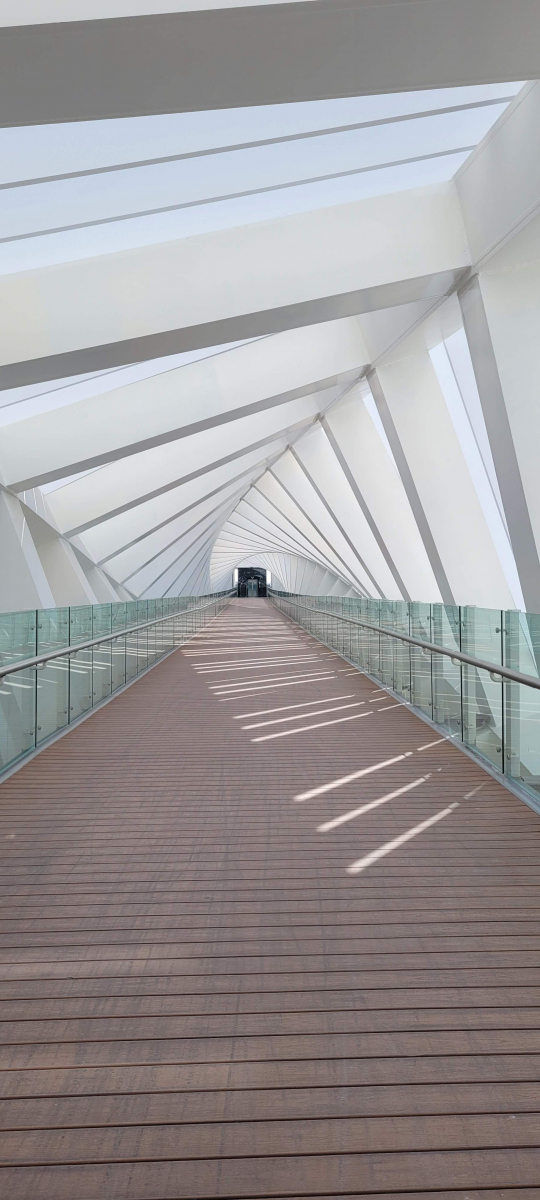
x: 26, y: 664
x: 455, y: 655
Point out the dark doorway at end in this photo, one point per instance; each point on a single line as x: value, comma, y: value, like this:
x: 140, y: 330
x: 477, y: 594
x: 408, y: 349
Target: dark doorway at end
x: 251, y: 581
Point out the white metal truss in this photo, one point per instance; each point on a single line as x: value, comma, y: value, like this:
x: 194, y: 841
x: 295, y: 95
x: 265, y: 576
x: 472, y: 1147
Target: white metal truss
x: 285, y: 317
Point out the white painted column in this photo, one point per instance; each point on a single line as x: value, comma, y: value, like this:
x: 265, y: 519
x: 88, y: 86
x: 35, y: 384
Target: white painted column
x: 23, y: 582
x: 380, y: 496
x: 436, y: 478
x: 499, y: 192
x: 501, y: 315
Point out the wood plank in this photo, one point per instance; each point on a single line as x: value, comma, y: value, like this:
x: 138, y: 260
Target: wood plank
x: 157, y: 960
x: 123, y: 943
x: 269, y: 1104
x: 194, y: 1077
x: 164, y: 981
x: 285, y: 1025
x: 311, y: 1175
x: 267, y: 1049
x: 271, y: 927
x: 230, y: 1139
x: 286, y: 1006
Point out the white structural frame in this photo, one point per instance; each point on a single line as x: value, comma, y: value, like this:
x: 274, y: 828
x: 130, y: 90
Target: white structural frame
x: 344, y: 394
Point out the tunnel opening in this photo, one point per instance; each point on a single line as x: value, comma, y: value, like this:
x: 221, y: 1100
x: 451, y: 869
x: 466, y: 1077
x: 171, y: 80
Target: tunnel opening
x: 251, y: 582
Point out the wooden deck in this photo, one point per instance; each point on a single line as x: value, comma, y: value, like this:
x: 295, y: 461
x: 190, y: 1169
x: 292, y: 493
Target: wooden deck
x: 201, y: 1000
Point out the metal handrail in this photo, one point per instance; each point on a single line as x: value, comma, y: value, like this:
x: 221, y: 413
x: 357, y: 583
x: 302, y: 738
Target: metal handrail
x: 456, y: 656
x: 26, y: 664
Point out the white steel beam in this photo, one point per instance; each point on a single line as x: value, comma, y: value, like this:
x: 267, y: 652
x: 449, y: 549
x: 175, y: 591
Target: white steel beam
x: 273, y: 275
x: 499, y: 184
x: 131, y: 482
x: 199, y: 396
x: 380, y: 493
x: 264, y: 54
x: 270, y: 498
x: 436, y: 478
x: 125, y: 531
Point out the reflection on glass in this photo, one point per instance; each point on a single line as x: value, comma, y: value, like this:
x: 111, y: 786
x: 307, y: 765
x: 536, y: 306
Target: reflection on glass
x: 101, y: 655
x: 80, y: 624
x: 52, y: 694
x: 421, y: 665
x: 522, y: 704
x: 18, y: 633
x: 17, y: 715
x: 446, y: 675
x: 80, y: 683
x: 481, y: 637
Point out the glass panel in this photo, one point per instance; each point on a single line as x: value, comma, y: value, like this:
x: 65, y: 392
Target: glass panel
x: 101, y: 620
x: 446, y: 675
x: 338, y: 628
x: 373, y: 639
x: 386, y: 661
x: 356, y: 632
x: 151, y: 644
x: 401, y: 651
x: 481, y: 637
x: 349, y: 641
x: 80, y: 683
x: 481, y: 633
x: 119, y: 617
x: 169, y: 631
x: 320, y: 625
x: 421, y: 683
x: 334, y: 627
x: 131, y: 613
x: 363, y: 636
x: 80, y: 624
x: 118, y: 662
x: 17, y: 636
x: 482, y: 714
x: 522, y: 704
x: 53, y: 677
x: 17, y: 692
x: 102, y: 655
x: 151, y: 651
x: 142, y: 611
x: 177, y: 630
x: 17, y: 715
x: 160, y: 640
x: 52, y: 629
x: 142, y: 650
x: 132, y: 656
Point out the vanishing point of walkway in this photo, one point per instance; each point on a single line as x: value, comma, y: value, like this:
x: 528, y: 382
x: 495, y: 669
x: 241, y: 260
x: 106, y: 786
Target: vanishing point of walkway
x: 227, y: 973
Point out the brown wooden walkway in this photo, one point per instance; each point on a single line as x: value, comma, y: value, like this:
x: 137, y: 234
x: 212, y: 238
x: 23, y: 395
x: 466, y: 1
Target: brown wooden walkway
x: 201, y: 1000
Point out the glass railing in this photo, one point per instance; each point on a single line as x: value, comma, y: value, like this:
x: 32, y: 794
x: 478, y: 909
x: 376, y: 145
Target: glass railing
x: 472, y: 672
x: 72, y: 659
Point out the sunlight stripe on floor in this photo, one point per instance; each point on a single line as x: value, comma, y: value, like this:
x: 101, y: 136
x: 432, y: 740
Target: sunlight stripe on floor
x: 304, y: 728
x: 357, y: 812
x: 375, y: 855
